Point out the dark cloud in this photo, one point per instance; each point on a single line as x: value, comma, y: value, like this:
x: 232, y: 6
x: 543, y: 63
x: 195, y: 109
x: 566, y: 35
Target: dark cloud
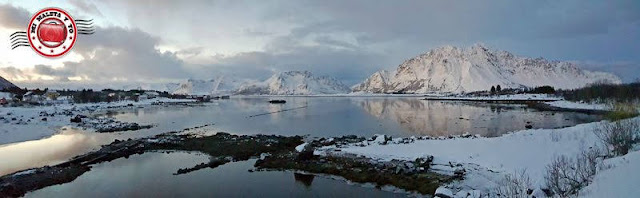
x: 49, y: 71
x: 12, y: 73
x: 13, y: 17
x: 124, y: 53
x: 327, y: 40
x: 86, y: 6
x: 398, y: 30
x: 114, y: 54
x: 345, y: 39
x: 463, y: 20
x: 350, y: 66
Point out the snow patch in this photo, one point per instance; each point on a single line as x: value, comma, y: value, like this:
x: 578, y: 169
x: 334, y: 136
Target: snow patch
x: 300, y: 147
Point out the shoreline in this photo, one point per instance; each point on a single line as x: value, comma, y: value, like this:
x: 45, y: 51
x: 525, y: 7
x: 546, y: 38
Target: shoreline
x: 414, y: 173
x: 429, y: 174
x: 282, y: 155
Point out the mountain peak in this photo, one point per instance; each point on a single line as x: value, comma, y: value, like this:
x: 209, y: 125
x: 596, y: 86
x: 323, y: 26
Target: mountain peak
x: 295, y: 83
x: 479, y: 46
x: 476, y: 68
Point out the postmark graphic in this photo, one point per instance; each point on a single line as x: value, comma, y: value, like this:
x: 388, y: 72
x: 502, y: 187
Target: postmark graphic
x: 51, y: 32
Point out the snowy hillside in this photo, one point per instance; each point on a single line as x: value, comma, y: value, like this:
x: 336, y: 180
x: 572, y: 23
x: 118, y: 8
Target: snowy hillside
x: 295, y: 83
x: 5, y: 83
x: 218, y: 86
x: 453, y: 69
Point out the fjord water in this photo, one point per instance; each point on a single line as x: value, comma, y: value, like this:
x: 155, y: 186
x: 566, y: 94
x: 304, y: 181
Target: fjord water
x: 363, y: 116
x: 151, y: 175
x: 315, y: 116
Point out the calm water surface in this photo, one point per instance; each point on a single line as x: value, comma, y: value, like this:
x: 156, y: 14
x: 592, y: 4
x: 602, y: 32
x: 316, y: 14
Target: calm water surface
x: 151, y: 174
x: 337, y: 116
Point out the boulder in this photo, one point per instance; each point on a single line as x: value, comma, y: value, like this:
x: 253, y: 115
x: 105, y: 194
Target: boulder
x: 459, y: 172
x: 76, y: 119
x: 443, y: 192
x: 305, y: 151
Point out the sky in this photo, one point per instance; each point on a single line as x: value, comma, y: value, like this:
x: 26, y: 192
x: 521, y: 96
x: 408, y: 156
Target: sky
x: 159, y: 41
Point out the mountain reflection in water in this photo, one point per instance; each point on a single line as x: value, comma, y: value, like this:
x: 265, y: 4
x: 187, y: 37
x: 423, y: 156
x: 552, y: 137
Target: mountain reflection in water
x: 441, y: 118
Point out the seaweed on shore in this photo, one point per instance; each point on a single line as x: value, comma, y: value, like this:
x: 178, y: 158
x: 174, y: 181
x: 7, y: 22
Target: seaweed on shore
x: 410, y: 176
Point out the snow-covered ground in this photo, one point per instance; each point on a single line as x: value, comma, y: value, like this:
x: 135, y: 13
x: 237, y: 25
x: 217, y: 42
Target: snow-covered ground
x: 487, y: 160
x: 621, y: 180
x: 514, y: 97
x: 19, y: 124
x: 579, y: 105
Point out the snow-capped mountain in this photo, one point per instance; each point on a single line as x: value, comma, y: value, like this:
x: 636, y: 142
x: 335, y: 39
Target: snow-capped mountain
x: 453, y: 69
x: 295, y: 83
x: 218, y: 86
x: 4, y: 83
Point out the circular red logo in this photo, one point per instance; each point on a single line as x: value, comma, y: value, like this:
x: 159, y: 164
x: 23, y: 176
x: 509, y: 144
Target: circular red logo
x: 52, y: 32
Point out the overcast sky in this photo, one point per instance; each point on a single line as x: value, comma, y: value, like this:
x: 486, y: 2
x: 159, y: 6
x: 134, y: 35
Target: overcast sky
x: 159, y: 41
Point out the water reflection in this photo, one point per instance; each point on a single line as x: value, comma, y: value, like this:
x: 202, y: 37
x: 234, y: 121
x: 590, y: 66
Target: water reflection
x: 48, y: 151
x: 304, y: 179
x: 320, y: 117
x: 336, y: 116
x: 150, y: 175
x: 438, y: 118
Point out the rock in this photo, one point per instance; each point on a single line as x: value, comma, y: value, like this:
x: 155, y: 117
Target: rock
x: 76, y: 119
x: 443, y: 192
x: 277, y: 101
x: 398, y: 170
x: 44, y: 119
x: 424, y: 163
x: 409, y: 165
x: 381, y: 139
x: 305, y: 151
x: 475, y: 194
x: 462, y: 193
x: 300, y: 147
x: 459, y: 171
x: 528, y: 126
x: 538, y: 193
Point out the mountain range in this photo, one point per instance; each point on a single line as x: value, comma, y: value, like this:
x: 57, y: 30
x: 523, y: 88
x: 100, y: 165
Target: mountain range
x: 283, y: 83
x: 446, y: 69
x: 217, y: 86
x: 454, y: 70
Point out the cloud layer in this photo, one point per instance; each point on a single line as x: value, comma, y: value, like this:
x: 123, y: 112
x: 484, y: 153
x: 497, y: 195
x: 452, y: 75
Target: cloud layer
x: 161, y: 41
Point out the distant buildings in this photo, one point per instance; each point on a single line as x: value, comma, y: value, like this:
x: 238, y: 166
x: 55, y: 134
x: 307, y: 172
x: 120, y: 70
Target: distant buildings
x: 5, y: 97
